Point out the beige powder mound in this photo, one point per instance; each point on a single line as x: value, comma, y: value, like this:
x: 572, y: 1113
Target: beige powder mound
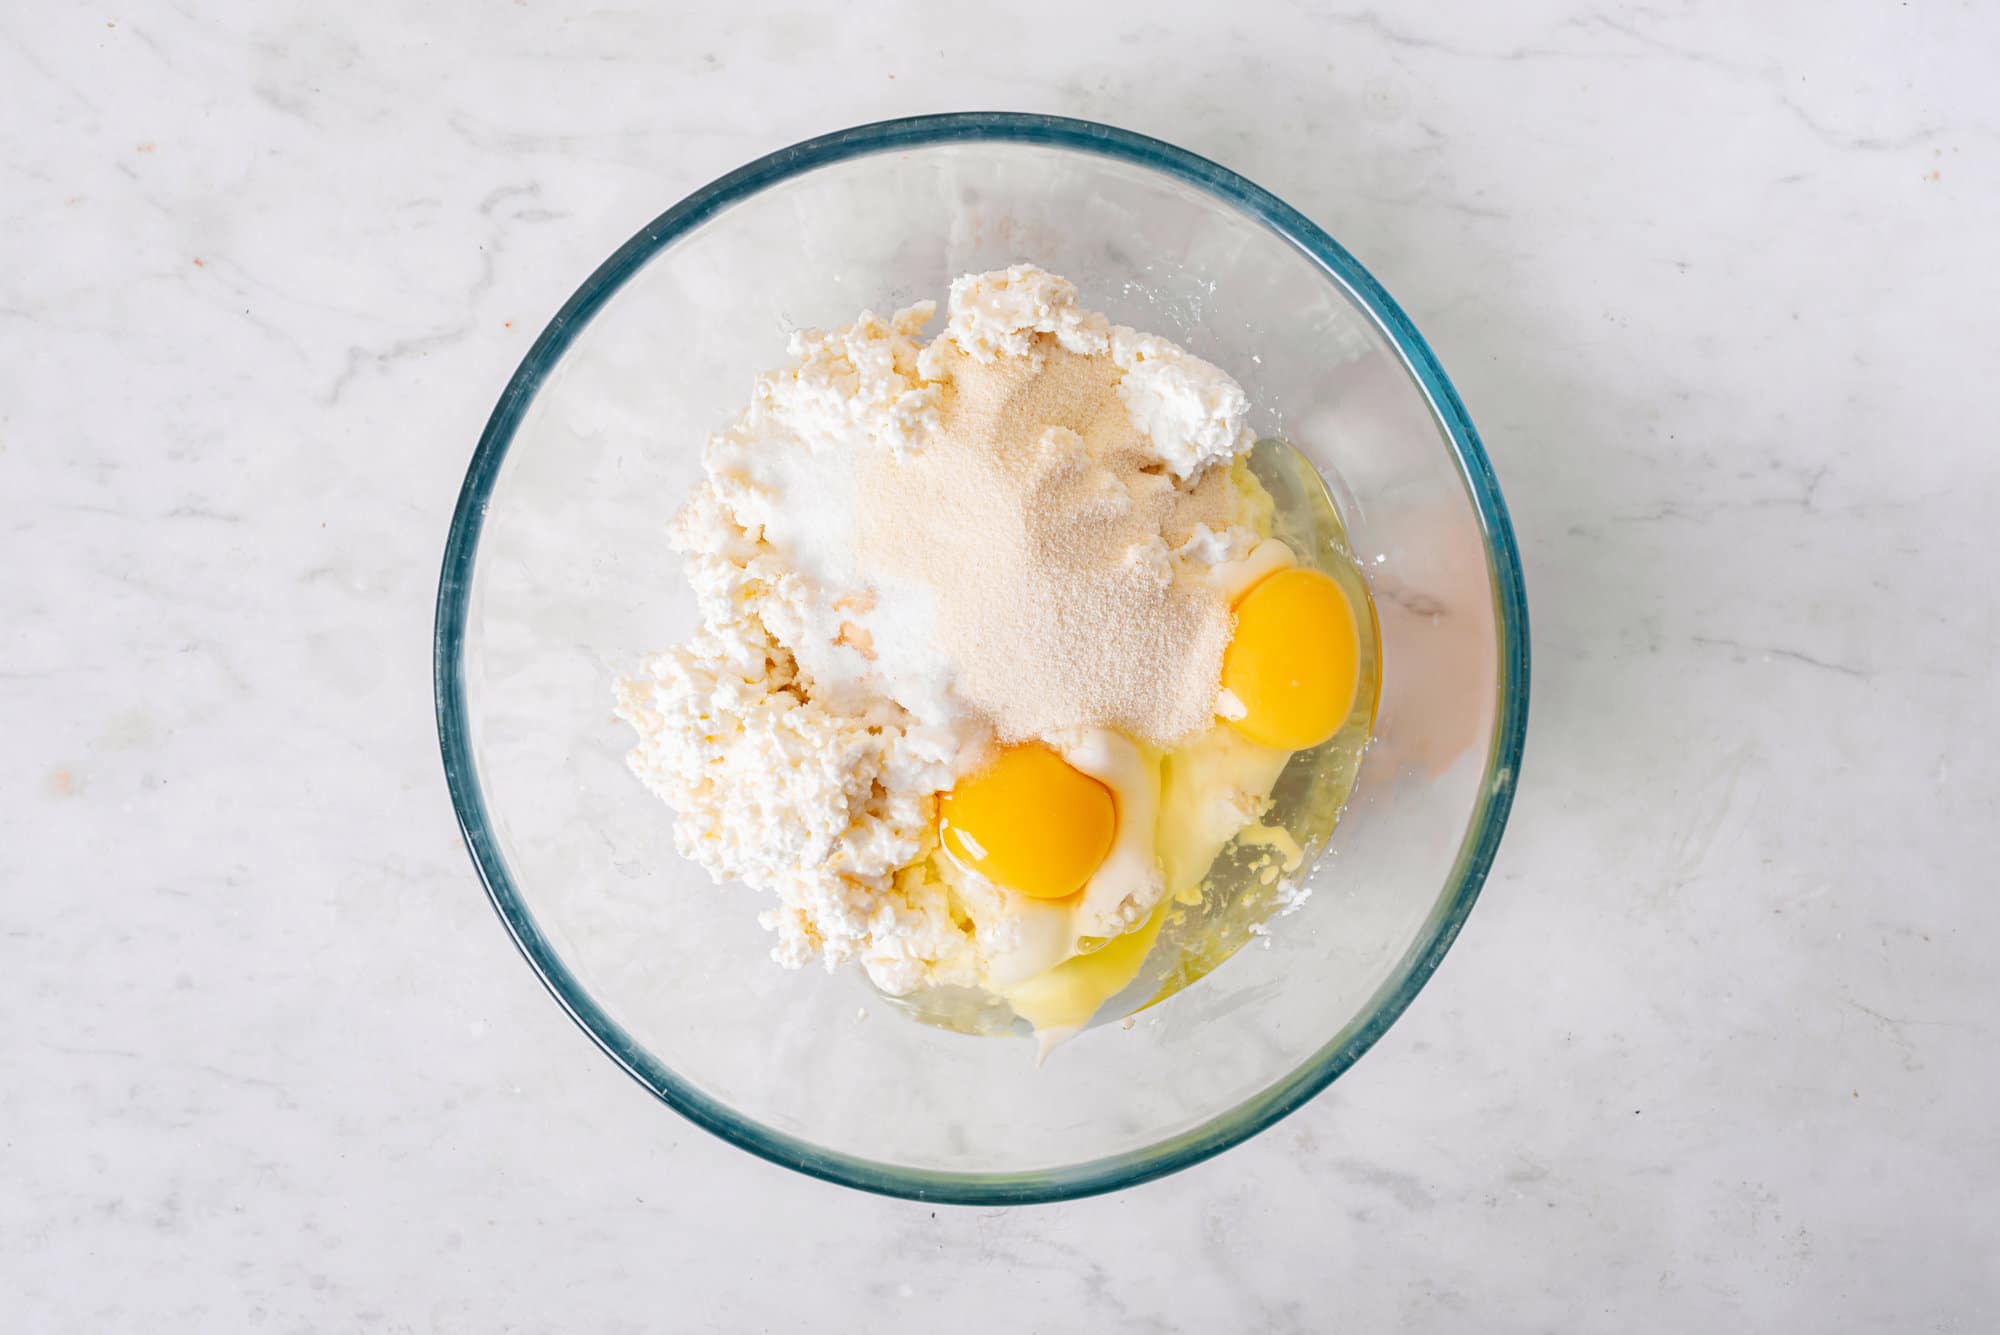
x: 1045, y: 525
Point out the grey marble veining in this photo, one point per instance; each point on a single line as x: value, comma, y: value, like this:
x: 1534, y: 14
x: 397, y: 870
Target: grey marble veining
x: 1718, y: 1048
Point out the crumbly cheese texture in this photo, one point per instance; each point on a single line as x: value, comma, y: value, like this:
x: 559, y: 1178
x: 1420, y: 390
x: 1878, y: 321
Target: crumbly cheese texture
x: 817, y: 803
x: 845, y: 675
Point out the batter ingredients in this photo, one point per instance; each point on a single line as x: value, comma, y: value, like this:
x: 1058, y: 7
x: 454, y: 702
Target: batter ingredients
x: 967, y: 616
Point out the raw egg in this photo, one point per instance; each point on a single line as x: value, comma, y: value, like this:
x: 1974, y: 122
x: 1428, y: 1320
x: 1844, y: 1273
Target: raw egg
x: 1295, y: 660
x: 1030, y: 822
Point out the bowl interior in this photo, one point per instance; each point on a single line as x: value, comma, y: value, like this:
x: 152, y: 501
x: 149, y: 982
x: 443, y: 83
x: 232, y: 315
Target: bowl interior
x: 563, y: 580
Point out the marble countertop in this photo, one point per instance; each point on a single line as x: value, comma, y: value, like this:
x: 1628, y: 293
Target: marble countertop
x: 1717, y: 1049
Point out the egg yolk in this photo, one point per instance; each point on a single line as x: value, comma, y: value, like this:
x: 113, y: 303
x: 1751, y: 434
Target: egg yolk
x: 1030, y: 822
x: 1295, y: 661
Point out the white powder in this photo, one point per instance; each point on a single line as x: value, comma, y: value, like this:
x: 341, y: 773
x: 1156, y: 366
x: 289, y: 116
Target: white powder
x: 1040, y: 521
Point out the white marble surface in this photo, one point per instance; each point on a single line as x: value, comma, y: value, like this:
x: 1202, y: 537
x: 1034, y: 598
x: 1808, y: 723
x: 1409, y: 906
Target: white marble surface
x: 1717, y: 1050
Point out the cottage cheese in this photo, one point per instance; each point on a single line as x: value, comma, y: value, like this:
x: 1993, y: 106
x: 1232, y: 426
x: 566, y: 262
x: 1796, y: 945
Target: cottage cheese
x: 793, y: 794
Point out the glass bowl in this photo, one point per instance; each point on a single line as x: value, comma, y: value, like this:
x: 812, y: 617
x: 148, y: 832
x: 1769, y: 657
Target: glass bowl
x: 557, y: 578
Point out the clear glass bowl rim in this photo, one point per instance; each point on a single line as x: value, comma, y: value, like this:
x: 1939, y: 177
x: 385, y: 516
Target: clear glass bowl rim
x: 1218, y: 1133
